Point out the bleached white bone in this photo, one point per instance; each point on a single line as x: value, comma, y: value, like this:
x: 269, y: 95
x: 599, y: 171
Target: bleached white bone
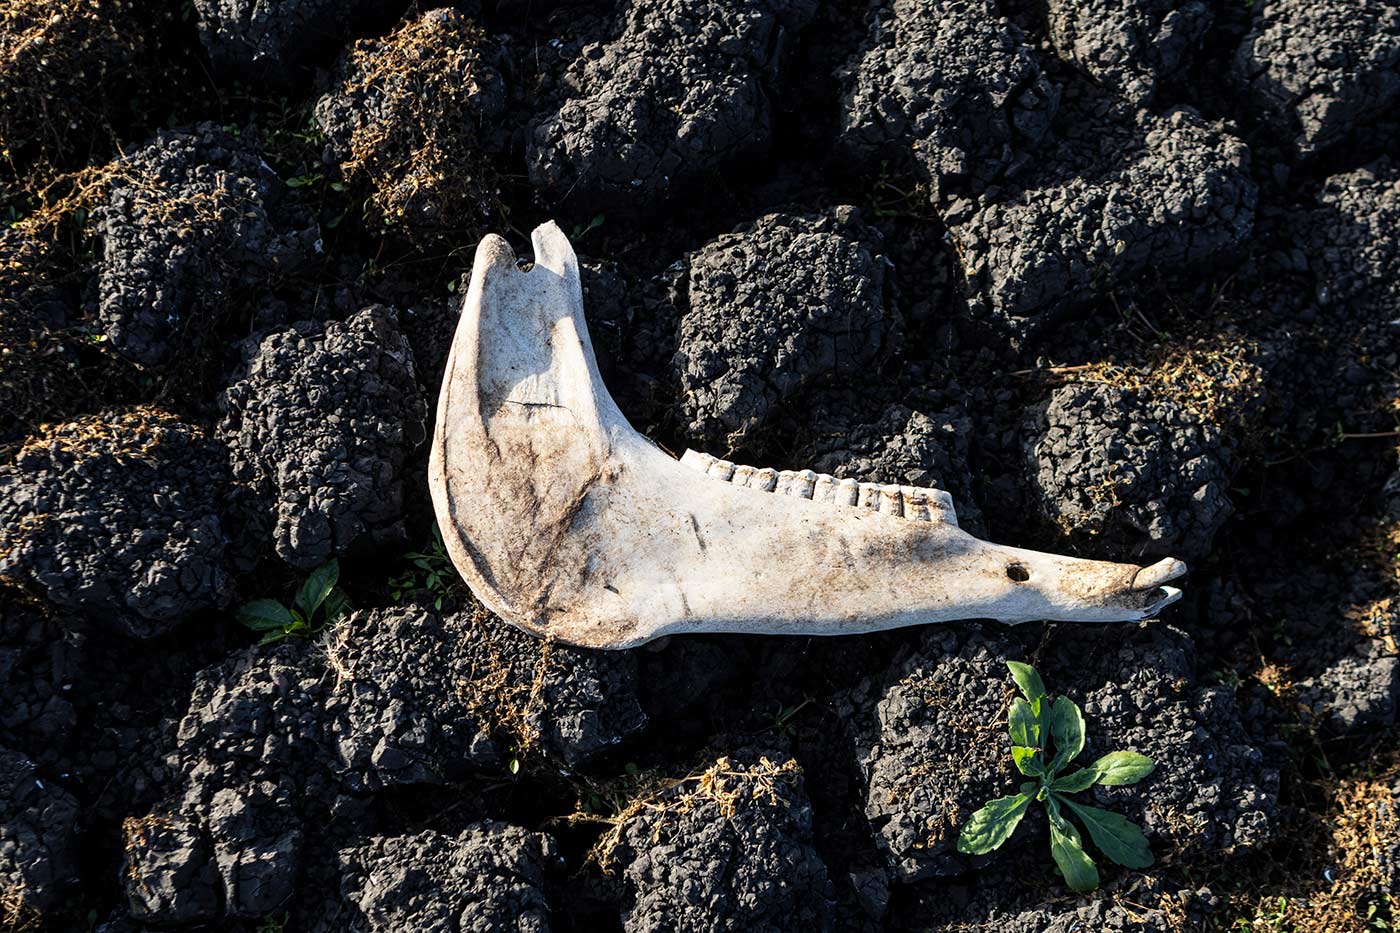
x: 568, y: 523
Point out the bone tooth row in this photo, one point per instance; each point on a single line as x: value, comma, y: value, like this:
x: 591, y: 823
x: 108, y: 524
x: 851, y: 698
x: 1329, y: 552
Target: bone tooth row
x: 929, y: 505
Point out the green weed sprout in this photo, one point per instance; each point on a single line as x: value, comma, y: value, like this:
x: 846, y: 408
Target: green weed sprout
x: 432, y: 571
x: 1035, y: 720
x: 318, y: 604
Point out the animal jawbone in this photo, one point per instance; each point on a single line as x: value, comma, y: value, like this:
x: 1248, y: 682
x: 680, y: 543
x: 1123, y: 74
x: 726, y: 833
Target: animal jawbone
x: 568, y: 523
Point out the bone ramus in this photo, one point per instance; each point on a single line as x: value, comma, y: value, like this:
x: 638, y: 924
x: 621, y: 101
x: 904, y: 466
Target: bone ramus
x: 568, y: 523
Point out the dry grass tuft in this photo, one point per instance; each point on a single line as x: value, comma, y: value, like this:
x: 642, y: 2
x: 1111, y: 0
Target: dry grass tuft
x: 1347, y: 885
x: 128, y: 437
x: 494, y: 690
x: 415, y: 99
x: 59, y: 65
x: 16, y: 913
x: 732, y: 788
x: 1214, y: 378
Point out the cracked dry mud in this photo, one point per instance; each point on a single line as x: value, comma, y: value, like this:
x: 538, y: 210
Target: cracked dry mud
x: 1120, y: 277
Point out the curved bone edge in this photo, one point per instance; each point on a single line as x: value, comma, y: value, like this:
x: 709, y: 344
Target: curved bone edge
x: 568, y: 523
x: 913, y: 502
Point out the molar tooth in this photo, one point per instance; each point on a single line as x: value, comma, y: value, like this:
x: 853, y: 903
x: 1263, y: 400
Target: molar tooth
x: 743, y: 475
x: 785, y: 480
x: 765, y: 479
x: 916, y: 505
x: 721, y: 469
x: 805, y: 483
x: 825, y: 488
x: 698, y: 460
x: 869, y: 497
x: 940, y: 503
x: 891, y: 502
x: 847, y: 492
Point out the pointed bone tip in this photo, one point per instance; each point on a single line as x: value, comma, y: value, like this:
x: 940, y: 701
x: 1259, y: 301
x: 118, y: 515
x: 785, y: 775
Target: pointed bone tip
x: 552, y: 248
x: 1161, y: 572
x: 550, y: 228
x: 493, y: 249
x: 1169, y: 595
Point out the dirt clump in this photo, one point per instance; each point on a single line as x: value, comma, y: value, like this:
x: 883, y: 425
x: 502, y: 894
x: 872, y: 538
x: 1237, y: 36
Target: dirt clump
x: 746, y: 812
x: 1131, y: 47
x: 490, y: 876
x: 272, y: 45
x: 66, y: 71
x: 1135, y: 471
x: 1316, y: 71
x: 189, y: 226
x: 319, y: 424
x: 682, y: 97
x: 411, y: 121
x: 774, y: 311
x: 117, y: 516
x: 949, y: 85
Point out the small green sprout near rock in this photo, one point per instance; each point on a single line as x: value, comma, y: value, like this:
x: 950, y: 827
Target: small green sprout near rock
x: 432, y: 571
x: 1033, y: 722
x: 318, y: 604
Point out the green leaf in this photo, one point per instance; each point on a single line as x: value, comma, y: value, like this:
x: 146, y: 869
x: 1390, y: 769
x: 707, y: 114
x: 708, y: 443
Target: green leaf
x: 992, y: 825
x: 1118, y: 768
x: 318, y: 586
x: 1067, y: 727
x: 1023, y: 724
x: 337, y: 605
x: 1115, y: 835
x: 1067, y: 850
x: 263, y: 614
x: 270, y: 637
x: 1026, y: 761
x: 1027, y: 679
x: 1075, y: 781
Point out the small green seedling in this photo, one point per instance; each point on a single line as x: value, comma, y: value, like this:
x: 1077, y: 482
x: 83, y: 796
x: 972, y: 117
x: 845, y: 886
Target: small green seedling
x: 1033, y: 722
x: 432, y: 572
x: 318, y: 604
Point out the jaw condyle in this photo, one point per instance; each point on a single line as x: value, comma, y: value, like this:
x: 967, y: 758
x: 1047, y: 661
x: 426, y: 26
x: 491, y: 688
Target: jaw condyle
x: 568, y: 523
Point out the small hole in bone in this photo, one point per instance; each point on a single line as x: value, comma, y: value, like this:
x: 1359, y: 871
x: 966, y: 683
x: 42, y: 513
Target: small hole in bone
x: 1017, y: 573
x: 524, y: 265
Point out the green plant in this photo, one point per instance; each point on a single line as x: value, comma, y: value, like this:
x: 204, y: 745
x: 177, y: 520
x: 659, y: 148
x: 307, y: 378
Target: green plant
x: 273, y: 924
x: 276, y: 923
x: 318, y: 603
x: 582, y: 230
x: 1033, y: 722
x: 432, y: 571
